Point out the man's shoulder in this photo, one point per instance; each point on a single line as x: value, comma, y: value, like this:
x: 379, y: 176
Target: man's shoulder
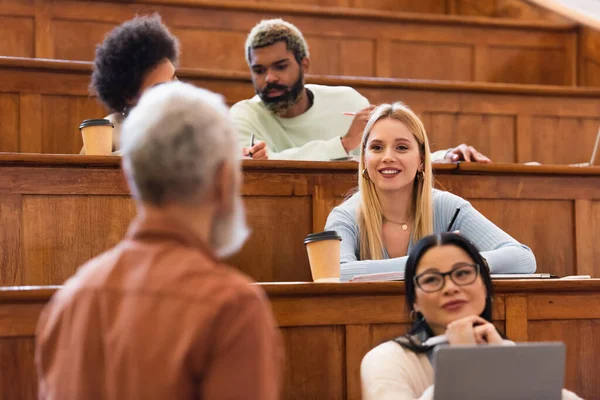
x: 248, y: 105
x: 324, y: 90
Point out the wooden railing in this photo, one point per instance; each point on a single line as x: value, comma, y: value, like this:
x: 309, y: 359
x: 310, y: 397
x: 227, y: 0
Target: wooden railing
x: 552, y: 209
x: 389, y: 44
x: 328, y: 328
x: 44, y: 101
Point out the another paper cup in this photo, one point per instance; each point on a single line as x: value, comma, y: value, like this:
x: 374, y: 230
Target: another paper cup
x: 324, y: 256
x: 97, y: 136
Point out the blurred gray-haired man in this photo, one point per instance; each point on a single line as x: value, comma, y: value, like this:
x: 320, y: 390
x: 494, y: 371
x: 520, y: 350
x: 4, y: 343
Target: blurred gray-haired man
x: 158, y: 316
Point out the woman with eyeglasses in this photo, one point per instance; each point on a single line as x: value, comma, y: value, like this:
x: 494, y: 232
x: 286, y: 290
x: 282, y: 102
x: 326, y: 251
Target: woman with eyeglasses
x: 135, y: 56
x: 448, y: 291
x: 396, y: 206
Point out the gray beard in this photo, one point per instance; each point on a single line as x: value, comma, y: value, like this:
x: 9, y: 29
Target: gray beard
x: 230, y: 231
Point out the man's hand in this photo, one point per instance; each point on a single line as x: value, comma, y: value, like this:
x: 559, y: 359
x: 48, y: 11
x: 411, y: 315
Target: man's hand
x: 354, y: 136
x: 463, y: 152
x: 256, y: 152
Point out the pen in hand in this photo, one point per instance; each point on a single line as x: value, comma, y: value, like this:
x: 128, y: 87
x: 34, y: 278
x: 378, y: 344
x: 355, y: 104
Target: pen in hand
x: 449, y: 229
x: 251, y: 145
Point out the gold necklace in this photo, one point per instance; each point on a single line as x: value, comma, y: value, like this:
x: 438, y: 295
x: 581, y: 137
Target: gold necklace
x: 403, y: 225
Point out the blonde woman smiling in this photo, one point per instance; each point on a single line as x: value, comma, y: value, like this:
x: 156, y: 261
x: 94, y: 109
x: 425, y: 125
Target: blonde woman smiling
x: 396, y: 206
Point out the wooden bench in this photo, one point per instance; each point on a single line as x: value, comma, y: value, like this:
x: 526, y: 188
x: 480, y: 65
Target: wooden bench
x: 327, y: 329
x: 43, y: 102
x: 64, y: 210
x: 389, y: 44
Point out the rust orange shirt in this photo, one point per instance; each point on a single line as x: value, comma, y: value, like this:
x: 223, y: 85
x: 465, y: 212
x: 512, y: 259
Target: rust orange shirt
x: 157, y: 317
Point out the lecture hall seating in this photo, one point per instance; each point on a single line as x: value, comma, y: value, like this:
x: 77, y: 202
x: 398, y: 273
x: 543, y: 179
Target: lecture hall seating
x: 327, y: 328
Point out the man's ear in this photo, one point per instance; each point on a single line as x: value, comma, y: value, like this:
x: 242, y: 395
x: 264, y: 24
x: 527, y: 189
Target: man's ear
x: 305, y: 65
x: 224, y: 186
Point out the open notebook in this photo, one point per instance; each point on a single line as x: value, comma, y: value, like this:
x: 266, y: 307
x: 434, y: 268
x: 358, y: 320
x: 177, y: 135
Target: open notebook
x: 399, y: 276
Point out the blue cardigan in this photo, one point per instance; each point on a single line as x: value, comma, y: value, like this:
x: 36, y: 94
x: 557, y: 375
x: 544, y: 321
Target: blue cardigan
x: 503, y: 253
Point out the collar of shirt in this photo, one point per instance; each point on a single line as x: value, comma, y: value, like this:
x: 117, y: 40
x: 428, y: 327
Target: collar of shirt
x: 166, y: 228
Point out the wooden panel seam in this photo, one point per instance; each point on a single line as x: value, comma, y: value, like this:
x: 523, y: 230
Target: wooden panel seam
x: 516, y: 317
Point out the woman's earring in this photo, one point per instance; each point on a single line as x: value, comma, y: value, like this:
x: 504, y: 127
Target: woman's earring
x: 365, y: 174
x: 416, y: 316
x: 420, y: 176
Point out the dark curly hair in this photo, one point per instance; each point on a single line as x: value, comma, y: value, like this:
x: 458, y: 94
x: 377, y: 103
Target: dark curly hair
x: 127, y: 54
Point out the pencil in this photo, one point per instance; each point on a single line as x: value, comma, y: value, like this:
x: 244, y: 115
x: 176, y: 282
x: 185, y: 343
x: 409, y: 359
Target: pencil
x: 251, y: 145
x: 453, y: 219
x: 349, y: 113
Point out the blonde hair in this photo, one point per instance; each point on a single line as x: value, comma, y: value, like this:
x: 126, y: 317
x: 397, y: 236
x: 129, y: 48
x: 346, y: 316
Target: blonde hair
x: 370, y: 215
x: 270, y: 31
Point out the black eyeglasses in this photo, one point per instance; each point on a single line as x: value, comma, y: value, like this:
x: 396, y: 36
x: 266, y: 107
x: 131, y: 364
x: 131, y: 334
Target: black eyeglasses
x: 462, y: 275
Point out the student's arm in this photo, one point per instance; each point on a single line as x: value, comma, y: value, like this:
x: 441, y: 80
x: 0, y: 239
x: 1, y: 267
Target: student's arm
x: 343, y: 222
x: 316, y: 150
x: 503, y: 253
x: 245, y: 361
x: 386, y: 374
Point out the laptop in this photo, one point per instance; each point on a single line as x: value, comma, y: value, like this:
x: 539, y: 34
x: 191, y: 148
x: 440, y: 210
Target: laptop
x: 595, y: 159
x: 527, y: 371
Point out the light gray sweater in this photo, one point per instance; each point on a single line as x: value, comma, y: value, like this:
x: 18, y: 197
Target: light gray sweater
x: 503, y: 253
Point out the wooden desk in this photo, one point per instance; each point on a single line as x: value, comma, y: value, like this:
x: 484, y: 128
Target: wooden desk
x: 212, y: 35
x: 327, y: 329
x: 42, y: 103
x: 64, y: 210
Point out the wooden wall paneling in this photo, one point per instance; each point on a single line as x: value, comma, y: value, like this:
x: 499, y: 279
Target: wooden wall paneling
x: 551, y: 241
x: 417, y: 47
x: 56, y: 237
x: 421, y: 6
x: 357, y: 57
x: 589, y: 57
x: 594, y: 225
x: 44, y: 34
x: 360, y: 339
x: 110, y: 217
x: 524, y: 143
x: 578, y: 135
x: 10, y: 239
x: 357, y: 345
x: 324, y: 201
x: 18, y: 37
x: 61, y: 116
x: 18, y: 377
x: 514, y: 9
x: 493, y: 135
x: 264, y: 257
x: 30, y: 123
x: 580, y: 337
x: 9, y: 122
x: 314, y: 367
x: 584, y: 237
x: 516, y: 318
x: 452, y: 61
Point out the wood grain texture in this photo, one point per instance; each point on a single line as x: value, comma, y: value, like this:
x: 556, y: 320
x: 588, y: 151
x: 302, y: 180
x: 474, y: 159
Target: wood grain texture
x: 522, y: 220
x: 323, y: 361
x: 516, y: 318
x: 419, y: 44
x: 18, y: 378
x: 18, y: 37
x: 314, y: 365
x: 510, y: 123
x: 10, y: 239
x: 9, y: 122
x: 582, y: 339
x: 55, y: 239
